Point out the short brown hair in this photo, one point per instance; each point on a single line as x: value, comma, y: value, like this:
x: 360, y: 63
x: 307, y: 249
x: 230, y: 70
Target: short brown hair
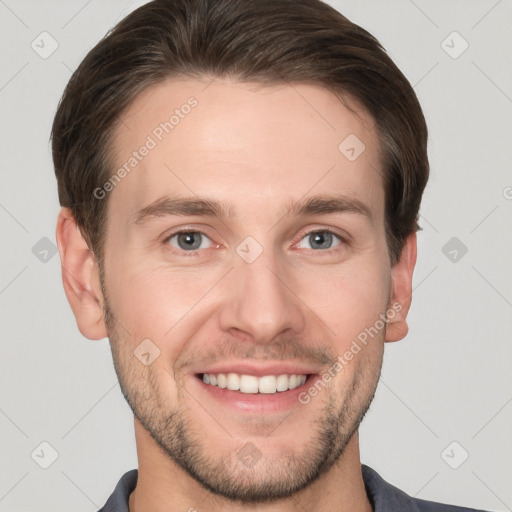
x: 266, y: 41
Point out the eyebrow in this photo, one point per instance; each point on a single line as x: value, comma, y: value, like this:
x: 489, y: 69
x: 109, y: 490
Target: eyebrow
x: 189, y: 206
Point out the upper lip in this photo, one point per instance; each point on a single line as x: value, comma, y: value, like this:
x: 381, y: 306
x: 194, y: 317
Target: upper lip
x: 259, y: 370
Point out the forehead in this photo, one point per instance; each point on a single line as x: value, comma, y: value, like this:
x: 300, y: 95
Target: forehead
x: 247, y: 145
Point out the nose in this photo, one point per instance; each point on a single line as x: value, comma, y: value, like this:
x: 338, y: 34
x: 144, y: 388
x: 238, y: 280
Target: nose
x: 259, y: 301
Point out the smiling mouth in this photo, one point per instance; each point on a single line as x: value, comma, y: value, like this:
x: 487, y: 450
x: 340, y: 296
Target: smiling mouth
x: 250, y: 384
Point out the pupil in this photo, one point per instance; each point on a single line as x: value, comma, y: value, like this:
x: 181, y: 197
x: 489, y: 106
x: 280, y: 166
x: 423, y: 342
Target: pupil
x: 319, y: 238
x: 187, y: 239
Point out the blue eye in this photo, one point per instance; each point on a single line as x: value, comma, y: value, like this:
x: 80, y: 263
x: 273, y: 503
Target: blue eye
x: 188, y: 240
x: 321, y: 239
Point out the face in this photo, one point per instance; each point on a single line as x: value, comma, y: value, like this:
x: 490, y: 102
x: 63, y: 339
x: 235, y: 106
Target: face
x: 244, y: 245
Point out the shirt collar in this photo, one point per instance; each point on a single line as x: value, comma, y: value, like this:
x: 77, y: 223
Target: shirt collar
x: 383, y: 496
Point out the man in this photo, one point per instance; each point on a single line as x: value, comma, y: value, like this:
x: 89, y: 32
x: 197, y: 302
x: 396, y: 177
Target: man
x: 240, y: 185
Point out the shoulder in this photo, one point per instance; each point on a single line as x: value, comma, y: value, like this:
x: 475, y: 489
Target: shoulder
x: 118, y: 500
x: 386, y: 497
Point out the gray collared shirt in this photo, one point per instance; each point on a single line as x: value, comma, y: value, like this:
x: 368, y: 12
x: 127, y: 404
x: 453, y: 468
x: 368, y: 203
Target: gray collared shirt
x: 383, y: 496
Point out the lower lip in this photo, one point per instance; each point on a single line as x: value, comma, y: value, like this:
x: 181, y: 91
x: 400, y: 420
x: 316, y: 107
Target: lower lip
x: 256, y: 402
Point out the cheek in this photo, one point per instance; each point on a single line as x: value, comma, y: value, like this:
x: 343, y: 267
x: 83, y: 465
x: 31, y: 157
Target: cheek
x: 156, y: 303
x: 349, y: 299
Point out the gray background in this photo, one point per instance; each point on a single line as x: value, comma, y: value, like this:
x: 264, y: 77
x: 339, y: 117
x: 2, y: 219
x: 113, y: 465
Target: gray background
x: 448, y: 381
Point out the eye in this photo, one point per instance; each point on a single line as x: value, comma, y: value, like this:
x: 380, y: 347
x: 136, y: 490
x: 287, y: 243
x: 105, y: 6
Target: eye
x: 320, y: 239
x: 189, y: 240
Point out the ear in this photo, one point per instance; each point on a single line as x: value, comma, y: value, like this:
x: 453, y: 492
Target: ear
x: 401, y: 291
x: 80, y: 277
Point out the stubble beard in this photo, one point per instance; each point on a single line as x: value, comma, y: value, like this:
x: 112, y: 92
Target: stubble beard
x: 272, y: 478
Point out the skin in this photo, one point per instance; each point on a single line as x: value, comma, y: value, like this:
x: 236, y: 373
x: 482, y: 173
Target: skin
x: 254, y: 149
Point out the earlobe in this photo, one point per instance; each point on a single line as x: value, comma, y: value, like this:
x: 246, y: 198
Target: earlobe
x: 80, y: 277
x: 401, y: 291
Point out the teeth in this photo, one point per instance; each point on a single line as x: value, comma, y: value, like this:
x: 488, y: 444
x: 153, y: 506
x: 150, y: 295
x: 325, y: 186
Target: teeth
x: 221, y: 380
x: 248, y: 384
x: 282, y: 383
x: 268, y: 384
x: 232, y: 381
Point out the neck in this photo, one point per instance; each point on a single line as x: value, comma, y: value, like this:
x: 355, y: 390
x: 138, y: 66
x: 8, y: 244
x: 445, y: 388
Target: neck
x: 164, y: 486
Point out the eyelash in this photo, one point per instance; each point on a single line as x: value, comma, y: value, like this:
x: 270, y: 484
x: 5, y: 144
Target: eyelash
x: 194, y: 253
